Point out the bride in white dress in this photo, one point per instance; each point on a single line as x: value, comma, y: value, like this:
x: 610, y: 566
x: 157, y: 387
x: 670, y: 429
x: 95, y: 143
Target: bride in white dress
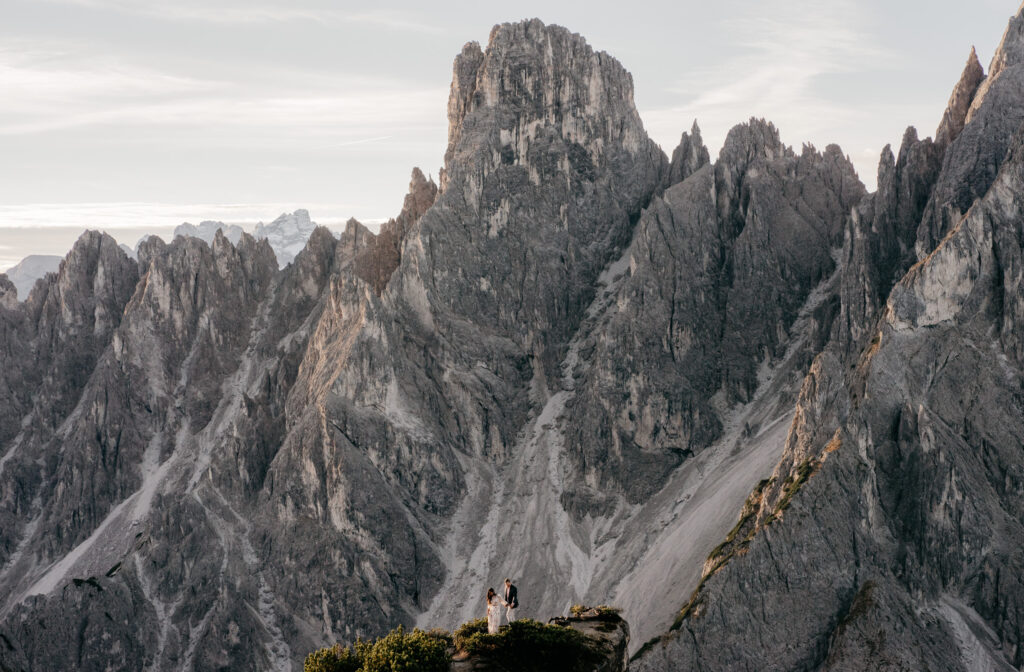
x: 494, y: 605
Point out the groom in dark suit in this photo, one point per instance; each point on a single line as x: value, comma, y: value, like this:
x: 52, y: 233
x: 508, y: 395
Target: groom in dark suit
x: 511, y: 600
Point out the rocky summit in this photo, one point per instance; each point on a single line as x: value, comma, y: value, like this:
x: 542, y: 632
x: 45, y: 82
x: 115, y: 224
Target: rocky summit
x: 777, y: 419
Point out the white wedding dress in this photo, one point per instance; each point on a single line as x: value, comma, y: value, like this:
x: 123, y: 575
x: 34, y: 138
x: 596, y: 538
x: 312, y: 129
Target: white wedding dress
x: 493, y: 615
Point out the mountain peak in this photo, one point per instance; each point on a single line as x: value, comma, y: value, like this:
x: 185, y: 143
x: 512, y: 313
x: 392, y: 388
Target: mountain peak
x: 1011, y: 49
x: 287, y: 234
x: 208, y: 229
x: 8, y: 293
x: 755, y: 140
x: 26, y: 272
x: 955, y: 116
x: 379, y: 259
x: 1009, y: 54
x: 689, y: 156
x: 533, y: 76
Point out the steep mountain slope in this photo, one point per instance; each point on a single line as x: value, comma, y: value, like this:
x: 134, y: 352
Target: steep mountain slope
x: 570, y: 362
x: 890, y: 535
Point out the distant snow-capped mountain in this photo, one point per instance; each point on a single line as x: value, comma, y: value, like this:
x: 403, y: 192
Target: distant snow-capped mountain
x: 208, y: 229
x: 287, y: 235
x: 25, y: 273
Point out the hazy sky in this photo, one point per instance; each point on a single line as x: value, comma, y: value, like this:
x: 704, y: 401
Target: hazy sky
x: 132, y: 113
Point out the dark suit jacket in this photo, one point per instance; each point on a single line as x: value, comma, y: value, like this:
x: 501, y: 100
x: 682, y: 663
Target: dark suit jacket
x: 512, y: 596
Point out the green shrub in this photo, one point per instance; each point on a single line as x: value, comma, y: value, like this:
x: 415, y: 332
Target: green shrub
x: 333, y: 659
x: 604, y: 612
x: 467, y: 630
x: 524, y: 646
x: 398, y: 651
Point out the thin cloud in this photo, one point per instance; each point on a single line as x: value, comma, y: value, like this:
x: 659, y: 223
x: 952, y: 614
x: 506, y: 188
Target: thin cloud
x: 228, y: 13
x: 783, y: 52
x: 161, y: 215
x: 31, y: 73
x: 363, y: 141
x: 299, y: 116
x: 49, y: 90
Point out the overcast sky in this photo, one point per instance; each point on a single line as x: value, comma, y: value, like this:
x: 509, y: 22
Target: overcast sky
x: 141, y: 114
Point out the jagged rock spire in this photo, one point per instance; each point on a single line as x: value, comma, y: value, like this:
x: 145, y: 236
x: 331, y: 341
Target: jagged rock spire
x: 1009, y: 53
x: 690, y: 156
x: 381, y: 257
x: 955, y: 116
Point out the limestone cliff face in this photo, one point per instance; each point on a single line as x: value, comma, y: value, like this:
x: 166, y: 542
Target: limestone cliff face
x: 550, y: 163
x: 955, y: 117
x: 718, y: 271
x: 379, y: 260
x: 973, y: 158
x: 879, y: 238
x: 889, y: 534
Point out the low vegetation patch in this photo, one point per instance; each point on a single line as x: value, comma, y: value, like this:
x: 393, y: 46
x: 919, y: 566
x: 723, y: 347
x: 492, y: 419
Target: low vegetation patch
x: 795, y: 481
x: 523, y: 646
x: 601, y: 613
x: 398, y: 651
x: 742, y: 532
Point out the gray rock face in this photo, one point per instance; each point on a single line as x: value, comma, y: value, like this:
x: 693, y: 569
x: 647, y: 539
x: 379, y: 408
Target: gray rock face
x: 972, y: 160
x: 379, y: 260
x: 546, y: 130
x: 882, y: 527
x: 878, y: 540
x: 690, y: 156
x: 714, y: 287
x: 879, y: 238
x: 8, y: 293
x: 955, y: 117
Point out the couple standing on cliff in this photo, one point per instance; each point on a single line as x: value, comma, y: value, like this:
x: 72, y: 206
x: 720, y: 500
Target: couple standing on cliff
x: 495, y: 603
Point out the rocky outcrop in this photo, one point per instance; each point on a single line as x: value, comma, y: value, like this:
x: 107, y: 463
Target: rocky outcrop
x: 8, y: 293
x: 882, y: 508
x: 955, y: 117
x: 541, y: 122
x: 610, y: 633
x: 688, y: 157
x: 376, y: 263
x: 972, y: 161
x: 878, y: 247
x: 607, y: 637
